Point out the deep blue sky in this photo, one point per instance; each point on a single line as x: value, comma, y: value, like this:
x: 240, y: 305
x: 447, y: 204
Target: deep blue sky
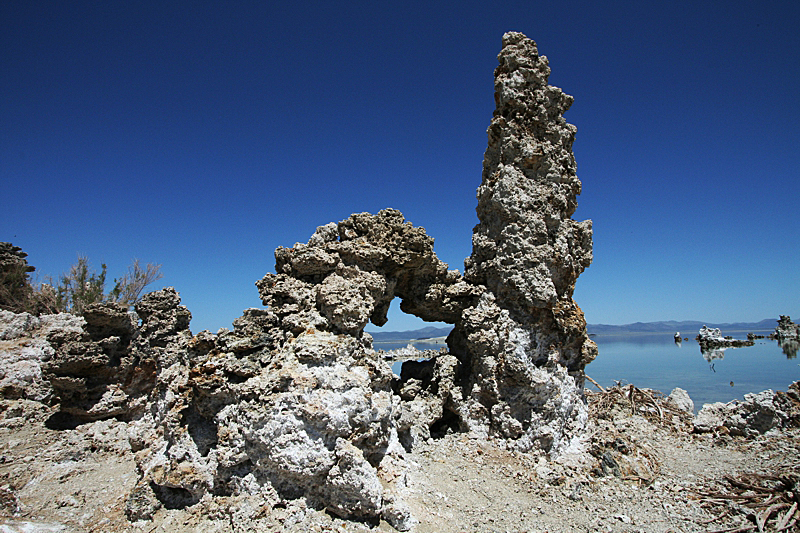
x: 202, y: 135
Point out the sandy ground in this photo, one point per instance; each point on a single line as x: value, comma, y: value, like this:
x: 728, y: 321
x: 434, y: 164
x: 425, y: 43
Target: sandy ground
x: 659, y: 477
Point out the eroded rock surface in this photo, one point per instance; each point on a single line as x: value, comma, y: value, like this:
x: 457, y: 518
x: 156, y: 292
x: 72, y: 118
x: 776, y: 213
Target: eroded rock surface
x: 787, y: 333
x: 15, y: 290
x: 754, y: 415
x: 525, y: 344
x: 786, y: 329
x: 293, y: 404
x: 711, y: 339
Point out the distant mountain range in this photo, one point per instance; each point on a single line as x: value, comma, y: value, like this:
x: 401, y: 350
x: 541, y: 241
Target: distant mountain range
x: 414, y: 334
x: 684, y: 326
x: 669, y: 326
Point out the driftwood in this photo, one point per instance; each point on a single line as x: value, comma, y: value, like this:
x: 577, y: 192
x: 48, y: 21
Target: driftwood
x: 648, y: 403
x: 769, y: 502
x: 617, y: 454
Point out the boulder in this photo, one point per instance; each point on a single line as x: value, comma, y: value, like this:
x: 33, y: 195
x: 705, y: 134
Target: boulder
x: 681, y: 399
x: 754, y: 415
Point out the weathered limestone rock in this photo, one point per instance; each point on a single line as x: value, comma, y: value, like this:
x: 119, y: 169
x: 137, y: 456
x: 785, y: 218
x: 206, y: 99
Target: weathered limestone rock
x: 711, y: 339
x: 27, y: 343
x: 681, y: 399
x: 786, y: 329
x: 755, y: 415
x: 15, y: 289
x: 525, y: 344
x: 294, y: 404
x: 787, y: 333
x: 94, y: 373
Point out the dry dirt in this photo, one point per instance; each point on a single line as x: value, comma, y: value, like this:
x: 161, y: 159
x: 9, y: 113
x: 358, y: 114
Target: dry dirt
x: 666, y: 480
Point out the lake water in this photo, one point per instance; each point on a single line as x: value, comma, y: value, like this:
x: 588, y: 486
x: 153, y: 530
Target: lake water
x: 654, y: 360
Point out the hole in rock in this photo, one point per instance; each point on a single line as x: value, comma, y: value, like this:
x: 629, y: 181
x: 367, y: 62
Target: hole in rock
x: 173, y: 497
x: 202, y: 430
x: 61, y: 421
x: 404, y: 336
x: 449, y: 423
x: 405, y: 440
x: 228, y: 477
x: 370, y: 522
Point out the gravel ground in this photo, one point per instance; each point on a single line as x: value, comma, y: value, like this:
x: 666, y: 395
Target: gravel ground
x: 642, y: 475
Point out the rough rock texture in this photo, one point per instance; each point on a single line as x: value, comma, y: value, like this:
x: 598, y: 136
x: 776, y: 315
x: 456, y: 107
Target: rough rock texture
x: 681, y: 399
x: 293, y: 404
x: 15, y: 289
x: 525, y: 344
x: 26, y: 344
x: 94, y: 373
x: 787, y: 333
x: 755, y: 415
x: 786, y: 329
x: 711, y: 339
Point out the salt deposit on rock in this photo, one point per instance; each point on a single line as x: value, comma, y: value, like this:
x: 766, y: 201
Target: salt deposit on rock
x: 786, y: 329
x: 293, y: 403
x: 712, y: 339
x: 756, y: 414
x: 681, y: 399
x: 26, y: 344
x: 524, y: 346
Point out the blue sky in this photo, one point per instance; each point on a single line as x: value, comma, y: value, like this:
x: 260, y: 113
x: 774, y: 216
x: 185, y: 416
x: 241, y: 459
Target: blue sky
x: 202, y: 135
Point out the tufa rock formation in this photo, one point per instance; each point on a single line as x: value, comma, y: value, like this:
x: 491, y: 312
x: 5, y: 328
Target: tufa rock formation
x: 786, y: 329
x: 294, y: 403
x: 15, y: 289
x: 525, y: 344
x: 711, y: 339
x: 787, y: 333
x: 754, y: 415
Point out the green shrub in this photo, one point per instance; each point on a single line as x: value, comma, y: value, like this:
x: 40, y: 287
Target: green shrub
x: 73, y: 292
x: 81, y: 286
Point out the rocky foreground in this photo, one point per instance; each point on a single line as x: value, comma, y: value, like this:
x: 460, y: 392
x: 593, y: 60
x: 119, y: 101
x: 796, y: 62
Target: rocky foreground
x: 650, y: 469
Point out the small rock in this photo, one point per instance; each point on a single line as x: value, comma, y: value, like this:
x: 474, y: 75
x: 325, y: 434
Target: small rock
x: 680, y: 399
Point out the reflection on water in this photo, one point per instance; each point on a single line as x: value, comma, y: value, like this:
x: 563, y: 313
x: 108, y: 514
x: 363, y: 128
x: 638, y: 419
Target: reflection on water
x: 398, y: 363
x: 712, y: 355
x: 790, y: 347
x: 658, y: 361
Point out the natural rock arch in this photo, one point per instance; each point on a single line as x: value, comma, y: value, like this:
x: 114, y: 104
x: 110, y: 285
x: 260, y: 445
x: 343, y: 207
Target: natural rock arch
x: 348, y: 273
x: 294, y: 402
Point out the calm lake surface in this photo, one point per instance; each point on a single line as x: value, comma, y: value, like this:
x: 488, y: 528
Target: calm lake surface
x: 654, y: 360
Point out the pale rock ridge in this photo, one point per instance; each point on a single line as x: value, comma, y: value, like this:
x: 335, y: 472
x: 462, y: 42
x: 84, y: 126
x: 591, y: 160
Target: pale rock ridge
x: 754, y: 415
x: 25, y: 344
